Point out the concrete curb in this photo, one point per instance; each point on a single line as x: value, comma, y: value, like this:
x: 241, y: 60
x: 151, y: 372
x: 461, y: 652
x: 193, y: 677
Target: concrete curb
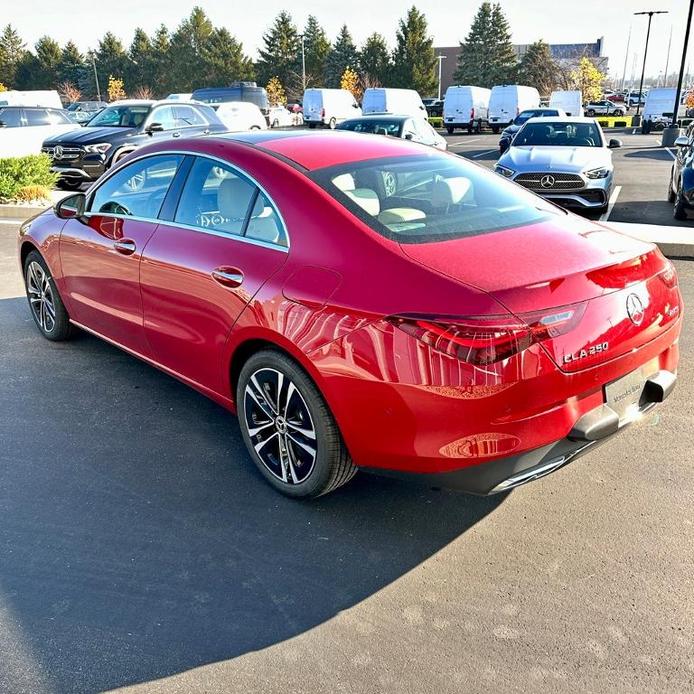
x: 674, y: 242
x: 21, y: 211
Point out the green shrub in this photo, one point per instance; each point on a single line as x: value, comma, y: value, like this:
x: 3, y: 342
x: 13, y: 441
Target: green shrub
x: 436, y: 121
x: 17, y: 173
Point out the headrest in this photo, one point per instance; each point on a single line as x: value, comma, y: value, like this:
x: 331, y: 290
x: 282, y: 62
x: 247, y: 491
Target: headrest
x: 344, y: 182
x: 450, y: 191
x: 399, y: 215
x: 366, y: 199
x: 233, y: 196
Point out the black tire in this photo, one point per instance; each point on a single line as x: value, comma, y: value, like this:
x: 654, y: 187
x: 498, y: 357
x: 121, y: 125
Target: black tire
x: 53, y: 323
x: 495, y: 129
x: 312, y: 126
x: 680, y: 209
x: 260, y: 404
x: 671, y: 195
x: 450, y: 129
x: 275, y: 124
x: 332, y: 124
x: 65, y: 184
x: 590, y: 113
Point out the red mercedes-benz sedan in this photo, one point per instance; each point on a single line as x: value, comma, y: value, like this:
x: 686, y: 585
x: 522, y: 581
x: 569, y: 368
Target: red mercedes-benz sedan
x: 364, y: 302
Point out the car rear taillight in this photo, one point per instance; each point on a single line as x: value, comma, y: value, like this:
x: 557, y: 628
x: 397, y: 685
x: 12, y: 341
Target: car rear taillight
x: 322, y: 113
x: 472, y: 114
x: 487, y: 340
x: 632, y: 271
x: 669, y: 276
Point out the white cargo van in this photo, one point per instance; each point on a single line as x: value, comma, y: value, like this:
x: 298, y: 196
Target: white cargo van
x: 571, y: 102
x: 399, y: 102
x: 329, y: 107
x: 507, y: 101
x: 48, y: 98
x: 659, y: 102
x: 465, y: 107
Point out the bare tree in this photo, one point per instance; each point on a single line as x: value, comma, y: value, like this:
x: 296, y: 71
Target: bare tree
x: 69, y: 93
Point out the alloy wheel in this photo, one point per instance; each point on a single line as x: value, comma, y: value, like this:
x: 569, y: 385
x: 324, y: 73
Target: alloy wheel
x: 41, y: 296
x: 280, y: 426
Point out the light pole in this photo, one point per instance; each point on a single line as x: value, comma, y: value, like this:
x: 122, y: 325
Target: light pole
x: 440, y: 58
x: 650, y: 14
x: 671, y: 133
x: 667, y: 60
x: 96, y: 79
x: 626, y: 58
x: 303, y: 60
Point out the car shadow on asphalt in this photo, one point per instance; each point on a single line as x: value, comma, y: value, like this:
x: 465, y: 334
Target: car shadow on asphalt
x: 656, y: 152
x: 637, y: 212
x: 138, y: 541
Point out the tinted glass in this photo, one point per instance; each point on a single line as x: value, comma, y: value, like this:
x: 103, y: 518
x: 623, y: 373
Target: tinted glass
x: 559, y: 134
x: 10, y: 117
x: 121, y: 117
x: 58, y: 117
x: 187, y: 116
x: 379, y: 127
x: 219, y: 198
x: 432, y: 197
x: 165, y: 116
x: 38, y: 116
x: 137, y: 190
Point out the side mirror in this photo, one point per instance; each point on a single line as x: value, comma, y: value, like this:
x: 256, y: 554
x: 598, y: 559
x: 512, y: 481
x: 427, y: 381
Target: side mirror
x: 154, y: 128
x: 409, y: 136
x: 71, y: 207
x: 614, y: 144
x: 682, y: 141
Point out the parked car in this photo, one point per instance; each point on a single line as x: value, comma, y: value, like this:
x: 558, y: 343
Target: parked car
x: 404, y: 102
x: 237, y: 91
x: 82, y: 155
x: 83, y: 111
x: 465, y: 107
x: 434, y: 107
x: 660, y: 103
x: 603, y: 108
x: 180, y: 96
x: 281, y: 117
x: 405, y: 127
x: 566, y: 160
x: 568, y: 101
x: 635, y: 98
x: 509, y: 133
x: 506, y: 101
x: 48, y: 98
x: 354, y: 309
x: 238, y: 116
x: 681, y: 185
x: 24, y: 128
x: 328, y: 107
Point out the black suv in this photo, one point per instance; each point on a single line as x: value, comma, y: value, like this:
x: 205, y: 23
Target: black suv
x: 83, y: 155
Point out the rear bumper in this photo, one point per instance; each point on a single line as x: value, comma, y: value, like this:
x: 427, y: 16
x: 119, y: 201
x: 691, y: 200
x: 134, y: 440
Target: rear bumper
x: 591, y: 429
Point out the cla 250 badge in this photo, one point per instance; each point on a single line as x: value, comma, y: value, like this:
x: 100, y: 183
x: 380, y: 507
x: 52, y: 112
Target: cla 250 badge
x: 587, y: 352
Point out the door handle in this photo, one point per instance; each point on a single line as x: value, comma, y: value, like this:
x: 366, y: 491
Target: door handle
x: 228, y: 277
x: 125, y: 246
x: 176, y: 134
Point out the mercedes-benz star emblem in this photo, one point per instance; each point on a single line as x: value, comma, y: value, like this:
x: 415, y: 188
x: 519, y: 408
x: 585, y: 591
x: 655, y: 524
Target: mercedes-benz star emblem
x: 58, y: 152
x: 547, y: 181
x: 635, y: 309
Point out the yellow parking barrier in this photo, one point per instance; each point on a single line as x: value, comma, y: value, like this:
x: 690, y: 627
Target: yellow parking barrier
x: 615, y: 121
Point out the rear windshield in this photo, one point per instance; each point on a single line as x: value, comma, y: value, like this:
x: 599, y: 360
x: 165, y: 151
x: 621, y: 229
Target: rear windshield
x: 377, y: 127
x: 559, y: 134
x: 431, y: 197
x: 527, y: 115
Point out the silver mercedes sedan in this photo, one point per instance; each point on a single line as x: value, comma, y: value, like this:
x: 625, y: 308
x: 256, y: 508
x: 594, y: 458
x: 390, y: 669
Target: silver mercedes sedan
x: 566, y: 160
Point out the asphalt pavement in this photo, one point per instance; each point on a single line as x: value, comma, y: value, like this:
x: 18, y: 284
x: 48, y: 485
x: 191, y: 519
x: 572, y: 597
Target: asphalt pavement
x: 140, y: 549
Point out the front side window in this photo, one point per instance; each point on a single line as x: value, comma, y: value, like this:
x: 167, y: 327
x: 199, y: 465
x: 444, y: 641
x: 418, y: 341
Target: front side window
x: 38, y: 116
x: 121, y: 117
x: 137, y: 190
x: 219, y: 198
x: 559, y: 134
x: 431, y: 197
x: 165, y: 116
x: 10, y: 118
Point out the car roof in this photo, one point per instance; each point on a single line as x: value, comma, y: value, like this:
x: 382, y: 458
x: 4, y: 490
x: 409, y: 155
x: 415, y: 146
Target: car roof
x: 562, y: 119
x: 377, y: 117
x: 316, y: 150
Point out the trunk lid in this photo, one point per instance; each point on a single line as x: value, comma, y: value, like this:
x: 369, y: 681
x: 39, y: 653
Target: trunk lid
x: 609, y: 293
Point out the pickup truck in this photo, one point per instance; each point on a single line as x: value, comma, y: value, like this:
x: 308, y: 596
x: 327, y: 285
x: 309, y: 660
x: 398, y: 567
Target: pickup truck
x: 604, y: 108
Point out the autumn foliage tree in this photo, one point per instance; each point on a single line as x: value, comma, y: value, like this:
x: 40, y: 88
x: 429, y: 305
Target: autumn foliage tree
x: 351, y: 82
x: 116, y: 89
x: 588, y: 79
x: 275, y: 92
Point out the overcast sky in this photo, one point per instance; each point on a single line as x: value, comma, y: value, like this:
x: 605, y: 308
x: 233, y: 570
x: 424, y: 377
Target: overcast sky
x: 555, y: 21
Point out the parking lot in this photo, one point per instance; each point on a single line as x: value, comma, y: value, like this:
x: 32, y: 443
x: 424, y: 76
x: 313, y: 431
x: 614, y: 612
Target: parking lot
x: 140, y: 547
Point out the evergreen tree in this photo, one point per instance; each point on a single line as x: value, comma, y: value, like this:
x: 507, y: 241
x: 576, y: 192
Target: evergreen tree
x: 414, y: 59
x: 343, y: 55
x: 374, y: 60
x: 224, y: 59
x: 43, y: 65
x: 188, y: 44
x: 316, y: 49
x: 138, y: 73
x: 160, y: 79
x: 12, y: 54
x: 281, y: 47
x: 487, y: 56
x: 72, y: 65
x: 538, y: 69
x: 111, y: 59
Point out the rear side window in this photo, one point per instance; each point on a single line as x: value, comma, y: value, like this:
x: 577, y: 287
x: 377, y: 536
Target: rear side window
x: 38, y: 116
x: 431, y: 197
x: 10, y: 117
x: 187, y: 116
x: 219, y: 198
x: 137, y: 190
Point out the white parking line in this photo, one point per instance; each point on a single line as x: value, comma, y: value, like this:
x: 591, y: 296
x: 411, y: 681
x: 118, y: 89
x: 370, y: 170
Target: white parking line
x: 672, y: 154
x: 613, y: 199
x: 16, y: 222
x: 481, y: 154
x: 464, y: 141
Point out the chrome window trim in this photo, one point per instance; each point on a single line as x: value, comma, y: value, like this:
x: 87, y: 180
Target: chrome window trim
x: 265, y: 244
